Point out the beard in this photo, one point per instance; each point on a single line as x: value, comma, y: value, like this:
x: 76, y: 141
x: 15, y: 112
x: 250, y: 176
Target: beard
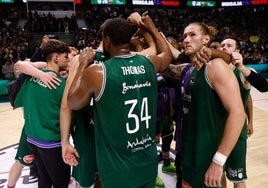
x: 188, y: 52
x: 65, y: 68
x: 192, y: 50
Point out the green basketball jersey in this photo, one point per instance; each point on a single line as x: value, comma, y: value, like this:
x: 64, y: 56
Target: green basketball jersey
x: 100, y: 57
x: 244, y: 95
x: 244, y: 91
x: 125, y: 117
x: 41, y: 107
x: 235, y: 165
x: 203, y: 124
x: 84, y: 140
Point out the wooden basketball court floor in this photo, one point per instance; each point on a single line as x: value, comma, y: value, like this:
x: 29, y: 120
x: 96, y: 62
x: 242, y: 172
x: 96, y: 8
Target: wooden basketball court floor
x: 11, y: 122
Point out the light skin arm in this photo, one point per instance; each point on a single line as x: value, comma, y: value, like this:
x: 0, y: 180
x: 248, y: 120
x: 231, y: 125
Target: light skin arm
x: 136, y: 42
x: 250, y: 116
x: 244, y: 70
x: 237, y: 60
x: 175, y: 52
x: 226, y: 86
x: 151, y: 49
x: 174, y: 71
x: 87, y: 81
x: 164, y: 56
x: 69, y: 153
x: 255, y: 79
x: 33, y: 69
x: 135, y: 19
x: 249, y: 108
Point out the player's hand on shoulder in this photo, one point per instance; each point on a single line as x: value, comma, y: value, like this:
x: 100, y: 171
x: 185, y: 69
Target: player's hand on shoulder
x: 50, y: 79
x: 202, y: 57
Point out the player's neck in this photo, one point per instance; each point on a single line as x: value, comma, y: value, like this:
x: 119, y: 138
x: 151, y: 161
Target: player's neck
x: 53, y: 67
x: 123, y: 49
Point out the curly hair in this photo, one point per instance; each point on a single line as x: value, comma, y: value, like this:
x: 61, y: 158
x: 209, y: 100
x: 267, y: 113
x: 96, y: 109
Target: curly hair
x: 54, y: 46
x: 118, y: 30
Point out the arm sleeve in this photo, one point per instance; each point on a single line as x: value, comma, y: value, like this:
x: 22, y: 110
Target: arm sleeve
x: 257, y: 81
x: 18, y: 98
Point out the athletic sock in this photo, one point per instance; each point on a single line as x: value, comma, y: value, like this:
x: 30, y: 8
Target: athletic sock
x: 167, y: 162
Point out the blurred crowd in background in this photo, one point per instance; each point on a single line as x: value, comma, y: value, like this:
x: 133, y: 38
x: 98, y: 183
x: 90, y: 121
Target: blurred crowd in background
x: 247, y: 24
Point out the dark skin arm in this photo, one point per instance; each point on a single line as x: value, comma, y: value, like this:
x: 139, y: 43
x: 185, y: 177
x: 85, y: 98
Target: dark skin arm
x: 206, y: 54
x: 87, y: 81
x: 202, y: 57
x: 164, y: 56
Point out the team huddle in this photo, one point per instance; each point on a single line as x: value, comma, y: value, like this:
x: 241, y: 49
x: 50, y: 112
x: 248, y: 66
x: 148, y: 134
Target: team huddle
x: 115, y: 106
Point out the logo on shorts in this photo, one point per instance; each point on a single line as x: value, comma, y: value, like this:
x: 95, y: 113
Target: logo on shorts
x: 28, y: 159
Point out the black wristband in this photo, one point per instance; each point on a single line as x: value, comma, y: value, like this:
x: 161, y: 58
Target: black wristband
x: 257, y: 81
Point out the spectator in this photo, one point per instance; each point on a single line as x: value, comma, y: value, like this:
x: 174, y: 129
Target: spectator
x: 8, y: 70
